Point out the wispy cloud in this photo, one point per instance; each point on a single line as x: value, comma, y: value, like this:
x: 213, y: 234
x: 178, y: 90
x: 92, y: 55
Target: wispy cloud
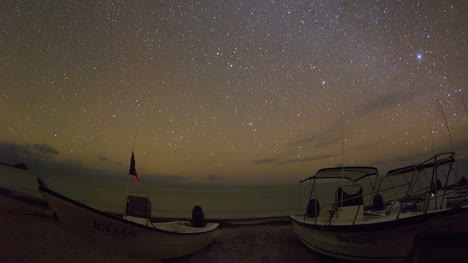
x: 305, y: 140
x: 384, y: 102
x: 215, y: 178
x: 291, y: 160
x: 43, y: 148
x: 102, y: 158
x: 401, y: 161
x: 46, y: 159
x: 327, y: 135
x: 305, y: 159
x: 14, y: 152
x: 265, y: 161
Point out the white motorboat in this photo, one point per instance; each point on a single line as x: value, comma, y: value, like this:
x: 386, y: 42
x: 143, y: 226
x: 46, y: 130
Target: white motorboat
x: 382, y: 225
x: 134, y: 234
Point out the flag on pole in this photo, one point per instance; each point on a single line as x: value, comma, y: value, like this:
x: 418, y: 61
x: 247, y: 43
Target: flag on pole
x: 132, y: 169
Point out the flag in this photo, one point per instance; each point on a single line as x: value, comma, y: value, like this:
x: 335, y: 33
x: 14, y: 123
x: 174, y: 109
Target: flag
x: 132, y: 169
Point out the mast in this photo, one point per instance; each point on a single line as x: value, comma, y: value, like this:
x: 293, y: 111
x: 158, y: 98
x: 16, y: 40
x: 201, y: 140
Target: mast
x: 446, y: 124
x: 464, y: 105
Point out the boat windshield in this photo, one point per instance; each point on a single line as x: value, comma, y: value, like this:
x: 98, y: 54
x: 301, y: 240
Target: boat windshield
x: 138, y: 206
x: 352, y: 174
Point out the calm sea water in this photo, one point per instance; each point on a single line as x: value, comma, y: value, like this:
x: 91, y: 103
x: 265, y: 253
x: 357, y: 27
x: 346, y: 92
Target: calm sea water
x: 218, y: 202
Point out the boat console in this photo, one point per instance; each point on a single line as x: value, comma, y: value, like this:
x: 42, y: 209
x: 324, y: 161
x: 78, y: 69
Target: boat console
x: 138, y: 210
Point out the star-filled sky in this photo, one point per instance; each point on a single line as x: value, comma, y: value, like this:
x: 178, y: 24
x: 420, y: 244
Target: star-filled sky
x: 231, y: 91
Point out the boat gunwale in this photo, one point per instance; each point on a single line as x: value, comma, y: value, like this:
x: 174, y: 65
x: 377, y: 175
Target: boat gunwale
x: 347, y: 256
x: 381, y: 226
x: 46, y: 190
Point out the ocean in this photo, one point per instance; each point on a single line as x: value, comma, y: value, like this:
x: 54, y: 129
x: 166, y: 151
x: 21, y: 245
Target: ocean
x: 218, y: 202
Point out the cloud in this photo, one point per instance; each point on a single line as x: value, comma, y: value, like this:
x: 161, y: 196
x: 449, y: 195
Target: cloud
x: 404, y: 159
x: 118, y: 163
x: 102, y: 158
x: 316, y: 144
x: 38, y: 158
x: 291, y: 160
x: 166, y: 179
x: 263, y: 161
x: 308, y: 159
x: 386, y: 101
x: 304, y: 141
x: 14, y: 152
x: 215, y: 178
x: 328, y: 135
x: 43, y: 148
x: 401, y: 161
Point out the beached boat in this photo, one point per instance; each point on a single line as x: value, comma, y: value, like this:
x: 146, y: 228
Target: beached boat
x: 135, y: 234
x: 384, y: 224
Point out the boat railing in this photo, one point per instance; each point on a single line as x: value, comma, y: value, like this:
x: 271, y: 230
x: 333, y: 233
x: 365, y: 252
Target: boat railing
x: 429, y: 198
x: 419, y: 197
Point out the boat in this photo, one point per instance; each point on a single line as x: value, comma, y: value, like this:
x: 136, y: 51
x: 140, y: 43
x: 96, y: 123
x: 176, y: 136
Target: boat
x: 384, y: 224
x: 134, y: 234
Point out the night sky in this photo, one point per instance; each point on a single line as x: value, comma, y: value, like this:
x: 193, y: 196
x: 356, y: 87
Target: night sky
x: 230, y: 91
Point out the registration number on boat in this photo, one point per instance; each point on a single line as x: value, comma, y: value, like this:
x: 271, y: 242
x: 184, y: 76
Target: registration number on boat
x: 114, y: 229
x: 351, y: 239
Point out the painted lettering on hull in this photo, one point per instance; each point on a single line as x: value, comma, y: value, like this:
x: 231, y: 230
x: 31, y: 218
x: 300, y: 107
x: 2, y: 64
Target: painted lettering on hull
x: 351, y: 239
x: 114, y: 229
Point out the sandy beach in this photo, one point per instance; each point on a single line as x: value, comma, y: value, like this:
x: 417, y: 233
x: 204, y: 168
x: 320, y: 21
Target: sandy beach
x: 30, y: 234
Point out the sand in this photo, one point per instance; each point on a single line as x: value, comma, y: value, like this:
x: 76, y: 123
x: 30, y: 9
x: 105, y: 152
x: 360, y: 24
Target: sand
x: 28, y: 233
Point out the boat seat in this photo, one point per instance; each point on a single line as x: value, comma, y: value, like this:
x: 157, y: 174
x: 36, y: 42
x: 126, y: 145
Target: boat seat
x: 313, y: 208
x: 349, y: 199
x: 198, y: 217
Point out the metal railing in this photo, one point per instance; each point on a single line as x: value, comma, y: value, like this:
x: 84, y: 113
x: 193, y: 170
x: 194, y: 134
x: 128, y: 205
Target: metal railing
x: 422, y: 195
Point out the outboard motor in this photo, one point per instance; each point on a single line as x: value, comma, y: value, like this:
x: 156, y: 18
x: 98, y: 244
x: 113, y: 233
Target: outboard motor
x: 198, y: 217
x: 313, y: 208
x: 378, y: 203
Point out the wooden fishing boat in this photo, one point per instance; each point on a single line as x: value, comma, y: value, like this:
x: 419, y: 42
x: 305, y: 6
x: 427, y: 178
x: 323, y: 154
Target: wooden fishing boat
x: 384, y: 224
x: 135, y: 234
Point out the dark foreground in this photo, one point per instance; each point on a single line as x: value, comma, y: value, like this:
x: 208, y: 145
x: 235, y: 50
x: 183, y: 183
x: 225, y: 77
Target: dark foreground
x: 28, y: 233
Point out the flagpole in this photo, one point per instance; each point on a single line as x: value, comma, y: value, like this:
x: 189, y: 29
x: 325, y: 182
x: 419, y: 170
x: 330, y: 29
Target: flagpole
x: 128, y: 175
x: 126, y: 194
x: 342, y: 159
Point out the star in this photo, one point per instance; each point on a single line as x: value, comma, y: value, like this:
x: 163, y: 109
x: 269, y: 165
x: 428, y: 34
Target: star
x: 419, y: 56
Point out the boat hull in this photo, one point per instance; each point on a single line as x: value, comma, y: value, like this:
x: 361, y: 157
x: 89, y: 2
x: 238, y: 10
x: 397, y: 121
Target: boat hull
x: 391, y: 241
x: 126, y: 237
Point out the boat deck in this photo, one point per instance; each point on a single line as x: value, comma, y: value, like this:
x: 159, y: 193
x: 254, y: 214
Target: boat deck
x: 184, y: 227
